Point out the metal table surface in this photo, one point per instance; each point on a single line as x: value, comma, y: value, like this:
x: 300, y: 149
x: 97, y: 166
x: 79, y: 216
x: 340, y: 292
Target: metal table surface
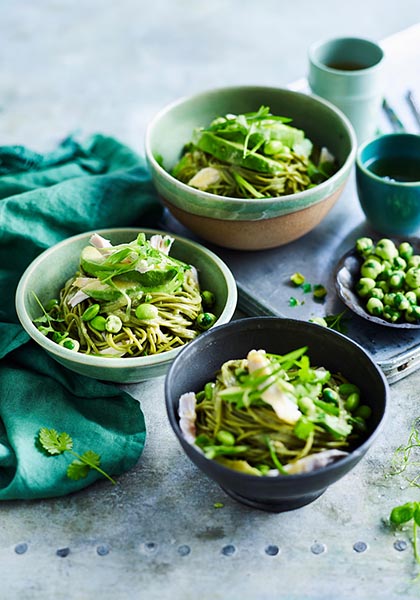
x: 158, y: 535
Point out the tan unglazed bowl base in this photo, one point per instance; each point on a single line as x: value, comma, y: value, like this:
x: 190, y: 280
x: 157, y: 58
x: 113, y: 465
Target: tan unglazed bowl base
x: 256, y: 235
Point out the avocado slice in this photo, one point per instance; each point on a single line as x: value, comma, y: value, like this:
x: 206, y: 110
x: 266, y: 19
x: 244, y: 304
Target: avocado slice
x: 233, y: 153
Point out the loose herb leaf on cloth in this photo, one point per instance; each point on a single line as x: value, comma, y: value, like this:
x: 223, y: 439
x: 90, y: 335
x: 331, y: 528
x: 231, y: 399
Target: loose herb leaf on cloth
x: 57, y: 443
x: 54, y: 442
x: 45, y: 198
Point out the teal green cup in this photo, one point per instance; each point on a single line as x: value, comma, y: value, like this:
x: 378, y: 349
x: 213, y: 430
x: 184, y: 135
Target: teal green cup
x: 348, y: 72
x: 388, y: 183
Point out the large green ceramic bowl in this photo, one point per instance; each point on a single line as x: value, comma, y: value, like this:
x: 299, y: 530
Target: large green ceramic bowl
x: 47, y: 274
x: 248, y: 223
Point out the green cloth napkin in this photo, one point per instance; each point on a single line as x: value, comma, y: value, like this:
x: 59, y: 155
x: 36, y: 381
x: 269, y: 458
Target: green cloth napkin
x: 45, y: 198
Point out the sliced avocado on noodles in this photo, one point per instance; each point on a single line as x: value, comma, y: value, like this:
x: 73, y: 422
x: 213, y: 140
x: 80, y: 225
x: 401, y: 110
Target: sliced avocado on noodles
x: 233, y: 153
x: 128, y: 268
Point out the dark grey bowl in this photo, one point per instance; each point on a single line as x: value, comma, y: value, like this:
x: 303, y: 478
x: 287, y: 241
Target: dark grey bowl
x: 198, y: 362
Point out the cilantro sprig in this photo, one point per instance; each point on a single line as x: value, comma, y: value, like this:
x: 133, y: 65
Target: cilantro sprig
x: 55, y: 443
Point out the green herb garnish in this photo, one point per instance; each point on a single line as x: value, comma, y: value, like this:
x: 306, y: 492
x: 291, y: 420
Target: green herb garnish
x: 55, y: 443
x: 400, y: 515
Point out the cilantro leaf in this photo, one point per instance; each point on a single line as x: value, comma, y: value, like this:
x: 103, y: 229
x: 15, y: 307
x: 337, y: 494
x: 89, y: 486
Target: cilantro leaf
x: 77, y: 470
x: 54, y: 442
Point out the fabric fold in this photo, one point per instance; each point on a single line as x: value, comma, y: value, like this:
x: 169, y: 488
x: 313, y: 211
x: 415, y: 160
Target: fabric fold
x: 45, y: 198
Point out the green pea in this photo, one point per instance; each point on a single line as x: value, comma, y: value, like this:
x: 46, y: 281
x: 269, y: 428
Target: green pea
x: 303, y: 428
x: 391, y: 314
x: 70, y: 344
x: 414, y: 312
x: 405, y: 250
x: 306, y: 405
x: 383, y: 285
x: 273, y: 147
x: 352, y: 402
x: 375, y: 306
x: 225, y: 437
x: 113, y: 324
x: 401, y: 302
x: 345, y: 389
x: 146, y: 312
x: 386, y: 249
x: 98, y: 323
x: 371, y: 268
x: 364, y: 285
x: 412, y: 277
x: 207, y: 298
x: 51, y: 304
x: 330, y: 395
x: 396, y: 280
x: 414, y: 261
x: 205, y: 320
x: 400, y: 263
x: 364, y: 245
x: 377, y: 292
x: 389, y: 299
x: 411, y: 297
x: 91, y: 312
x: 364, y: 411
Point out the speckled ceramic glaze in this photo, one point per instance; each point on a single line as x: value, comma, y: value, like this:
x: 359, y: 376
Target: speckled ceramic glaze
x: 391, y: 207
x: 248, y: 223
x: 47, y: 274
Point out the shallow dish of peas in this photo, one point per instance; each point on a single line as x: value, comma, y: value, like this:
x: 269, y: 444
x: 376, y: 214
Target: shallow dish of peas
x: 380, y: 281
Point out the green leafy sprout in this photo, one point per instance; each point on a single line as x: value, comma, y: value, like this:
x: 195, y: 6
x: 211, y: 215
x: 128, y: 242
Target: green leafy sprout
x: 405, y: 461
x: 55, y: 443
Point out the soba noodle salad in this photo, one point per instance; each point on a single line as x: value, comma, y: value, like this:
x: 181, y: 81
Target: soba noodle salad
x: 253, y: 155
x: 268, y: 414
x: 128, y: 300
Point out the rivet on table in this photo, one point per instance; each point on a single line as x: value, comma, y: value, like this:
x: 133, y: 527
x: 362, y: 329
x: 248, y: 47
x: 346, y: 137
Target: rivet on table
x: 360, y: 547
x: 228, y: 550
x: 272, y: 550
x: 318, y: 548
x: 21, y: 548
x: 184, y: 550
x: 102, y: 549
x: 63, y: 552
x: 400, y: 545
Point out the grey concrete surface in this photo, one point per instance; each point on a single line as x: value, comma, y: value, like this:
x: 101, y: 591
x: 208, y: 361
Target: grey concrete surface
x: 109, y: 66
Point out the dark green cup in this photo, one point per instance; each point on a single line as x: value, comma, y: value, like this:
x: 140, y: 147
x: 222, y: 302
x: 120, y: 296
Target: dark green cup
x: 388, y: 183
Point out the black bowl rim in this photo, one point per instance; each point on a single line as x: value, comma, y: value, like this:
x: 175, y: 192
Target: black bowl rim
x: 354, y: 455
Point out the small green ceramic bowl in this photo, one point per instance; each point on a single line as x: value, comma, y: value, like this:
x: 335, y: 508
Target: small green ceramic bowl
x: 248, y: 224
x: 47, y: 274
x: 388, y: 183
